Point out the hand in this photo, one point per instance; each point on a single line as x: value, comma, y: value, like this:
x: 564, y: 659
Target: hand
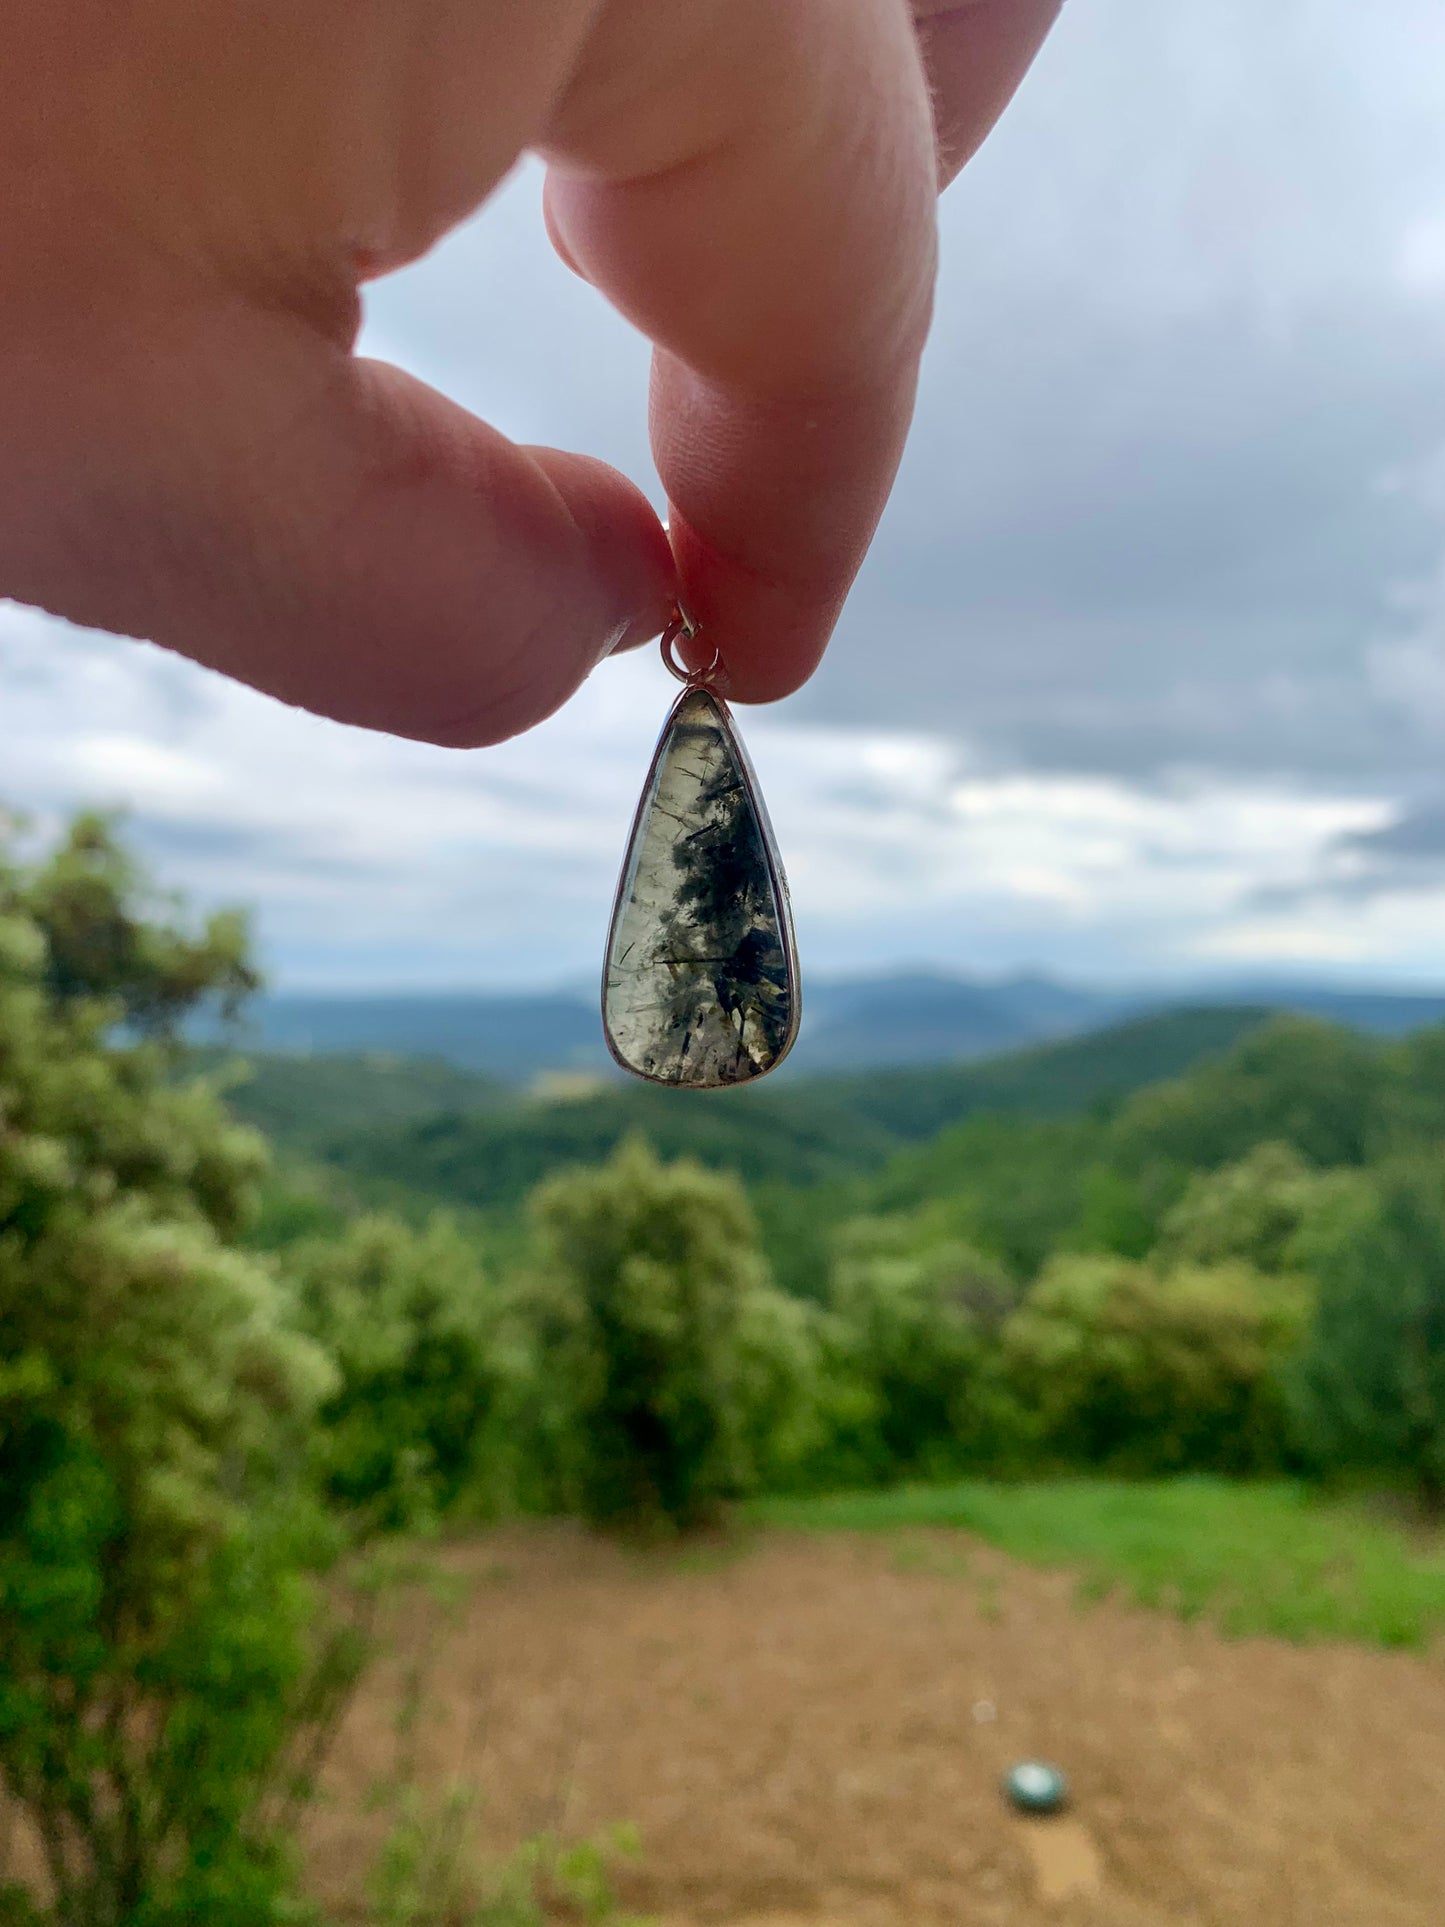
x: 191, y: 194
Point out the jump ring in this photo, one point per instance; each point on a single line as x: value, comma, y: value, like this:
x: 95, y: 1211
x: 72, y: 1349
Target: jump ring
x: 674, y: 633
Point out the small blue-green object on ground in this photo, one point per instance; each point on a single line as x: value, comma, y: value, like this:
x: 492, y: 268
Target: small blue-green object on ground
x: 1034, y: 1787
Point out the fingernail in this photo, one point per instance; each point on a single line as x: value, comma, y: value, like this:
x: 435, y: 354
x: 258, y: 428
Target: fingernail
x: 612, y: 641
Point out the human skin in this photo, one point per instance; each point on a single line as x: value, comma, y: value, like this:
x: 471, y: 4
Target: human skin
x: 192, y: 194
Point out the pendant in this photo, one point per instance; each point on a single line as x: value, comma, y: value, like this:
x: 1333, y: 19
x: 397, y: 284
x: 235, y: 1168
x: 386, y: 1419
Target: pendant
x: 700, y: 987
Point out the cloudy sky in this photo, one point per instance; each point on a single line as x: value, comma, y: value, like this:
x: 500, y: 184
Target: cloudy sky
x: 1146, y: 674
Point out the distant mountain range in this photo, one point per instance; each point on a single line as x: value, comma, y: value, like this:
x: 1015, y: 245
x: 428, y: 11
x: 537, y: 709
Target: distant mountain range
x: 911, y: 1018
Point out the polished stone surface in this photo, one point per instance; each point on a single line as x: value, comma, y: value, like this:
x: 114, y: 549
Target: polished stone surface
x: 700, y: 987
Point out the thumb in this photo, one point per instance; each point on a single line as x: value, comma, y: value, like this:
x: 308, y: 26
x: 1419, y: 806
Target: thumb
x: 325, y: 528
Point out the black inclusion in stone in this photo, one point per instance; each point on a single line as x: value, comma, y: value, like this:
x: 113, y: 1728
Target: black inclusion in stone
x: 701, y: 987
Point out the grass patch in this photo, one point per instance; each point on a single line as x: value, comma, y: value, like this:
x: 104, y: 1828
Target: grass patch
x: 1267, y: 1558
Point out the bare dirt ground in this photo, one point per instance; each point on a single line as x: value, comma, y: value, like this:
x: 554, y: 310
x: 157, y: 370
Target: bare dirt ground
x: 802, y: 1735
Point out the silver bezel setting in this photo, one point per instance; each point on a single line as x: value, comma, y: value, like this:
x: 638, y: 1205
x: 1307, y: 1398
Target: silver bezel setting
x: 776, y: 875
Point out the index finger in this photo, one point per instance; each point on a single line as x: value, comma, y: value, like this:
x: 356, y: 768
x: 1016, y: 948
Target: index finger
x: 753, y: 183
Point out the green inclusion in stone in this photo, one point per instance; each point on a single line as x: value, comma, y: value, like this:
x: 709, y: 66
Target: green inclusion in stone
x: 700, y: 987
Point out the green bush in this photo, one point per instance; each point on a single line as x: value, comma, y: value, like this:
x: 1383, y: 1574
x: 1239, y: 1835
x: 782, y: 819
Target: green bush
x: 432, y: 1368
x: 912, y: 1355
x: 664, y: 1327
x: 1014, y: 1188
x: 1123, y: 1367
x: 166, y: 1658
x: 1251, y: 1212
x: 783, y: 1417
x: 1369, y: 1385
x: 1294, y: 1081
x: 1412, y: 1110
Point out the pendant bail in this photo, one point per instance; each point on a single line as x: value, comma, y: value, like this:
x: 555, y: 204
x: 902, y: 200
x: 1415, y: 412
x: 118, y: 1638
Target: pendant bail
x: 683, y: 628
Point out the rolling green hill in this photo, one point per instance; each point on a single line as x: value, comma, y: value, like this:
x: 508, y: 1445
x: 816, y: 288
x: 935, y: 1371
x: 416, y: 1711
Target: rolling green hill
x: 456, y: 1137
x: 305, y: 1103
x: 1045, y: 1080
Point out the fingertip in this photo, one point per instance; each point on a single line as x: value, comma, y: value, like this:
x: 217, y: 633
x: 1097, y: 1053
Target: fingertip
x: 488, y: 580
x: 556, y: 234
x: 769, y: 633
x: 975, y: 57
x: 773, y: 506
x: 629, y: 543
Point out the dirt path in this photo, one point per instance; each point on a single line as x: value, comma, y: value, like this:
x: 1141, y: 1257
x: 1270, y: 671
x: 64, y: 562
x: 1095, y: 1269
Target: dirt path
x: 803, y: 1735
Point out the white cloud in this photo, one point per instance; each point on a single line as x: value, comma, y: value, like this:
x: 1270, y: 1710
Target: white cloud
x: 376, y: 860
x: 1400, y: 934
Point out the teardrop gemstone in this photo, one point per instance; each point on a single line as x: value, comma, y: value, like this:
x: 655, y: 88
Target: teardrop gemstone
x: 700, y: 987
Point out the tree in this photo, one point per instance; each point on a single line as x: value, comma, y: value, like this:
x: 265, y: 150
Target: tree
x: 1369, y: 1384
x: 432, y: 1368
x: 162, y: 1651
x: 660, y: 1298
x: 1140, y: 1372
x: 1013, y: 1187
x: 1413, y: 1110
x: 104, y: 936
x: 1251, y: 1211
x: 1295, y: 1081
x: 781, y: 1394
x: 914, y: 1331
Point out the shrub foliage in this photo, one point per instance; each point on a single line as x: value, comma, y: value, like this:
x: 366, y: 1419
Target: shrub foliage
x: 1236, y: 1271
x: 162, y: 1653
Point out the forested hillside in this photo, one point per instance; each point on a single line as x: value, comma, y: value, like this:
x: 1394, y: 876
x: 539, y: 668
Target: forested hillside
x: 455, y: 1135
x: 1207, y: 1242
